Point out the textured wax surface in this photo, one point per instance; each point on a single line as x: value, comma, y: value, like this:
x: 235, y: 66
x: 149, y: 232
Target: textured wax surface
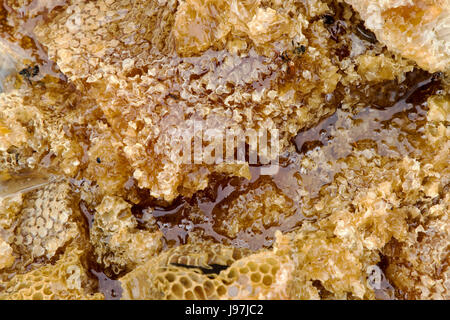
x: 96, y: 202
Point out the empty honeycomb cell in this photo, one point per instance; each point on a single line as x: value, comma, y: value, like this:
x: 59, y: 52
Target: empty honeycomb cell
x: 232, y: 274
x: 221, y: 290
x: 47, y: 291
x: 170, y: 277
x: 189, y: 295
x: 37, y: 295
x: 252, y: 266
x: 264, y: 268
x: 185, y: 282
x: 267, y: 280
x: 274, y: 270
x: 199, y: 293
x: 272, y: 262
x: 255, y: 277
x: 177, y: 290
x: 38, y: 287
x: 243, y: 270
x: 208, y: 286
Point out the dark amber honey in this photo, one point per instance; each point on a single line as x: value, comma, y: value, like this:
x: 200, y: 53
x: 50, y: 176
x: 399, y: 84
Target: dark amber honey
x: 362, y: 180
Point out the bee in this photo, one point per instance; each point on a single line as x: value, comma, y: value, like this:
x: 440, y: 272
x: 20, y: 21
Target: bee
x: 328, y: 19
x: 29, y: 72
x: 285, y: 57
x: 299, y: 49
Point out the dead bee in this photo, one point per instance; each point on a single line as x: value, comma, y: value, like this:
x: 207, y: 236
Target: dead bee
x: 328, y: 19
x: 285, y: 57
x: 298, y: 48
x: 29, y: 72
x: 365, y: 34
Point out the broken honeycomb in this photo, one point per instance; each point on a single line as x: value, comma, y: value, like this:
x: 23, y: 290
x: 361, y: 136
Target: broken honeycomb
x: 66, y: 279
x: 97, y: 99
x: 118, y: 243
x: 161, y: 277
x: 261, y: 208
x: 221, y: 89
x: 418, y: 29
x: 47, y: 222
x: 6, y: 254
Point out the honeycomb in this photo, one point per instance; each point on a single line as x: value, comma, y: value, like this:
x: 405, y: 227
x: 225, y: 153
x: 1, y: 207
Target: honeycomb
x: 286, y: 272
x: 98, y: 98
x: 35, y: 132
x: 47, y: 222
x: 177, y: 273
x: 66, y: 279
x: 10, y: 208
x: 118, y: 244
x: 261, y: 208
x: 259, y: 276
x: 418, y: 266
x: 134, y: 63
x: 17, y: 143
x: 6, y: 255
x: 106, y: 163
x: 418, y: 29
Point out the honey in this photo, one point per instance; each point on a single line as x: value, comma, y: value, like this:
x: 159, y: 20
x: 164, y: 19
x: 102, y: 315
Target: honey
x: 94, y: 194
